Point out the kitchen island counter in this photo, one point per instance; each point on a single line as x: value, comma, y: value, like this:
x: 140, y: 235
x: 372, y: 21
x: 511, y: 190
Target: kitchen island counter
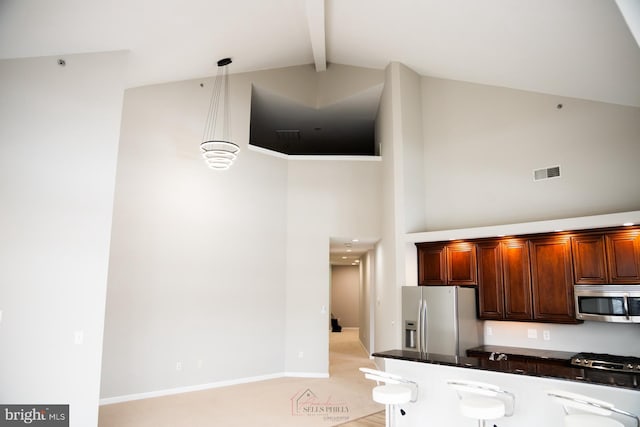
x: 528, y: 362
x: 437, y: 402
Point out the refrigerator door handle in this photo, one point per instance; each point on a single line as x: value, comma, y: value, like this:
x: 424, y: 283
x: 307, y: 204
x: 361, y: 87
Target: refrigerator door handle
x: 425, y: 328
x: 419, y: 327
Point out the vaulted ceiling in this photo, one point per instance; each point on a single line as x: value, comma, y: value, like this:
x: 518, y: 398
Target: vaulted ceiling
x: 576, y: 48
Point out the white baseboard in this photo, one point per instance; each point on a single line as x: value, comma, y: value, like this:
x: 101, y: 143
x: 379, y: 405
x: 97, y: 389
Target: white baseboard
x: 306, y: 374
x: 199, y: 387
x: 187, y: 389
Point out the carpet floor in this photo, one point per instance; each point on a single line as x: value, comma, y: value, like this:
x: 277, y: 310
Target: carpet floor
x: 284, y: 402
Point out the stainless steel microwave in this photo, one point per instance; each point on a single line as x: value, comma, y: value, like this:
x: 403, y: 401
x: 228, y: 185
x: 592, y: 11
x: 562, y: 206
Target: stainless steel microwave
x: 608, y: 303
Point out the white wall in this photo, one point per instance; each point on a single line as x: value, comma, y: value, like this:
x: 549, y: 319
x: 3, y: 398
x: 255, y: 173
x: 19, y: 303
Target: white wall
x: 59, y: 141
x: 345, y: 294
x: 482, y: 144
x: 387, y: 336
x: 367, y: 300
x: 412, y: 142
x: 595, y: 337
x: 227, y: 272
x: 399, y: 132
x: 324, y: 199
x: 197, y: 269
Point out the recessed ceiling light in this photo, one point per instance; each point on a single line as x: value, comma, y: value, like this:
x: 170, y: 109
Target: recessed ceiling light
x: 344, y: 257
x: 348, y: 250
x: 357, y: 261
x: 353, y: 263
x: 355, y: 240
x: 628, y: 224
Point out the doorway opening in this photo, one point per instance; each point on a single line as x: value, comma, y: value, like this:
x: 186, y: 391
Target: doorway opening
x: 351, y: 292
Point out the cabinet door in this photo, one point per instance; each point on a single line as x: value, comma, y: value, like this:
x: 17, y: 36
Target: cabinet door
x: 521, y: 365
x: 517, y: 279
x: 490, y: 285
x: 551, y: 279
x: 558, y: 370
x: 589, y: 260
x: 623, y: 254
x: 431, y: 264
x: 461, y: 264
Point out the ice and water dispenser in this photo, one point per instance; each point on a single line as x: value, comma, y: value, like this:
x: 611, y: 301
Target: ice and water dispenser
x: 410, y: 337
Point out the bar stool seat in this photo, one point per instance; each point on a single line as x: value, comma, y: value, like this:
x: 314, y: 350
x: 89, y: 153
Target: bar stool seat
x: 482, y: 408
x: 391, y: 394
x: 394, y: 391
x: 586, y: 411
x: 482, y: 401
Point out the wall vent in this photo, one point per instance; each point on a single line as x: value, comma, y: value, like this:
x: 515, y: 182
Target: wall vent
x: 288, y: 135
x: 546, y: 173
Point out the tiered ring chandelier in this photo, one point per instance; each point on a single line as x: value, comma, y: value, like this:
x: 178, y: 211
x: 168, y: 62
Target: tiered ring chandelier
x: 217, y: 149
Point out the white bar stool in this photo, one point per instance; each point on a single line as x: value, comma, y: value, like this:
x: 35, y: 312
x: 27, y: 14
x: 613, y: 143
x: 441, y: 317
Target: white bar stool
x: 480, y: 401
x: 395, y: 391
x: 594, y: 412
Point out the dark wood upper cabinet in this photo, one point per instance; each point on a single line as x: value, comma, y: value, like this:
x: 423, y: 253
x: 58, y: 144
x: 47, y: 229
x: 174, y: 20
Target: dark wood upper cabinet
x: 531, y: 277
x: 504, y: 291
x: 432, y: 267
x: 491, y: 289
x: 517, y: 279
x: 447, y: 264
x: 623, y: 253
x: 606, y: 258
x: 461, y: 264
x: 551, y: 280
x: 589, y: 259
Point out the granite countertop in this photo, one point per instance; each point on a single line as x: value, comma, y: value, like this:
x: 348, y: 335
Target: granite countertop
x: 559, y: 365
x: 433, y: 358
x: 559, y: 356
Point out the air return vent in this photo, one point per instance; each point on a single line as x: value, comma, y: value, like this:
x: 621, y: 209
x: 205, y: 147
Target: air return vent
x: 546, y: 173
x: 288, y: 135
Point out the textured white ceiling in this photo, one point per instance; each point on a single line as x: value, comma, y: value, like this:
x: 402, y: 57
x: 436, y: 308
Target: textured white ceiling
x: 577, y: 48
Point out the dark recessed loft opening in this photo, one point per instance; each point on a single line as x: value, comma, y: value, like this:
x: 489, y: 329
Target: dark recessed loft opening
x: 346, y: 127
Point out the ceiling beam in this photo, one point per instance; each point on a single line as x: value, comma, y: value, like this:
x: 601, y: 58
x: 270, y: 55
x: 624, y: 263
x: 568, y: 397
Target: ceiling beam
x: 315, y: 20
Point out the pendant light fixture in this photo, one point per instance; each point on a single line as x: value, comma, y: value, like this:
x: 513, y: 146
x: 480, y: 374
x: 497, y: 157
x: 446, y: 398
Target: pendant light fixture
x: 217, y: 149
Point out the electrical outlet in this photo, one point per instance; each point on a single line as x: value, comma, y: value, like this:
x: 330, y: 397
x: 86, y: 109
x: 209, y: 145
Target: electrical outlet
x: 199, y: 363
x: 489, y: 331
x: 300, y: 354
x: 532, y: 333
x: 178, y: 366
x: 78, y: 337
x: 546, y: 335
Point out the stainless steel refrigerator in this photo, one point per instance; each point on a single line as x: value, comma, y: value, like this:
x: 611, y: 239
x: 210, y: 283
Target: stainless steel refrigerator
x: 440, y: 319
